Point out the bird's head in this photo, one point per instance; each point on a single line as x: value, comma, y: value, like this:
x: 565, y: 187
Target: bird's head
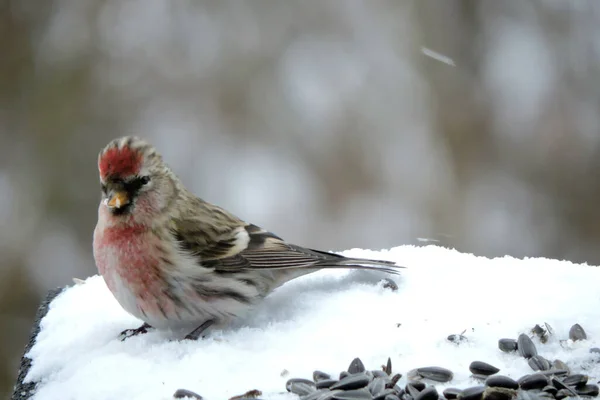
x: 134, y: 179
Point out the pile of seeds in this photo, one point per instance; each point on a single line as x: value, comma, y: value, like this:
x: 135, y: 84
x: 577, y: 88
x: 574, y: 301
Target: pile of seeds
x: 548, y: 380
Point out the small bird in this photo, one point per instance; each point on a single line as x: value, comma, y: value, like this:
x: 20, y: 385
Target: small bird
x: 182, y: 264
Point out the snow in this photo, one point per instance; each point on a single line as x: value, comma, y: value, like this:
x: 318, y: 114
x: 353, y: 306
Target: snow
x: 322, y: 321
x: 437, y: 56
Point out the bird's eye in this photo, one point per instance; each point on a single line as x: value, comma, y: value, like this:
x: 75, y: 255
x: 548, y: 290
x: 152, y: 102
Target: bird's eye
x: 144, y: 180
x: 103, y: 186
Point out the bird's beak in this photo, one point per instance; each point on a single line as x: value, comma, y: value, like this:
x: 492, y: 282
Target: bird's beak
x: 118, y: 199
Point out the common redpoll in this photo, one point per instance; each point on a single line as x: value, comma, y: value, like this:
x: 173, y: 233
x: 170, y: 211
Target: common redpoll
x: 179, y: 263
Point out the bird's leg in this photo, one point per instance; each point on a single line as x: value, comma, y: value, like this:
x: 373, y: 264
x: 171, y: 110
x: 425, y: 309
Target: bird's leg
x: 127, y: 333
x: 195, y: 334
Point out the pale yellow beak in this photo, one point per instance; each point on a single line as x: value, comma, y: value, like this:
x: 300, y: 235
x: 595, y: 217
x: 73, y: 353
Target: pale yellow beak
x: 118, y: 200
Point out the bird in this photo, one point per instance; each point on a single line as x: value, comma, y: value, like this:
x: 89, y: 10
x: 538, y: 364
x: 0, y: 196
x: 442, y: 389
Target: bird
x: 179, y: 263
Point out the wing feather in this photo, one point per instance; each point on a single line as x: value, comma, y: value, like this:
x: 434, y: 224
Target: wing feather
x: 249, y: 247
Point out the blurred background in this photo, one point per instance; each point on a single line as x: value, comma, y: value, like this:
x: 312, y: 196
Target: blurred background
x: 335, y: 124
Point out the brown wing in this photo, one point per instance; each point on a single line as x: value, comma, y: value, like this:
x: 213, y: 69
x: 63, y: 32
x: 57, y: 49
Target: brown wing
x: 249, y: 247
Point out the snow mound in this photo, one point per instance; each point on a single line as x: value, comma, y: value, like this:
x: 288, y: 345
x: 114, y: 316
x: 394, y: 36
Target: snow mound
x: 322, y: 321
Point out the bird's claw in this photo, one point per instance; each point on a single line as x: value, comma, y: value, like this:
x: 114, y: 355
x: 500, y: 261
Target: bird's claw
x: 127, y: 333
x: 196, y: 333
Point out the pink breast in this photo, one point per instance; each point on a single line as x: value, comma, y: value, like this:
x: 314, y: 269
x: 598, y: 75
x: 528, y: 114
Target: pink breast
x: 130, y: 253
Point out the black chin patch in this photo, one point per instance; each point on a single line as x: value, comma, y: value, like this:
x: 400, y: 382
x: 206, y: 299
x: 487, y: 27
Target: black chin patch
x: 132, y: 188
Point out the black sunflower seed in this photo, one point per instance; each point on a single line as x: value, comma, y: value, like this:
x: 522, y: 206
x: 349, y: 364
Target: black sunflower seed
x: 356, y: 394
x: 482, y: 368
x: 575, y: 380
x: 300, y: 386
x: 501, y: 381
x: 539, y: 363
x: 388, y: 366
x: 437, y: 374
x: 588, y: 390
x: 320, y: 376
x: 386, y: 392
x: 429, y: 393
x: 550, y: 389
x: 561, y: 386
x: 451, y: 393
x: 376, y: 386
x: 351, y: 382
x: 181, y: 393
x: 559, y: 364
x: 533, y: 381
x: 507, y: 345
x: 356, y: 366
x: 563, y: 393
x: 577, y: 333
x: 525, y: 346
x: 322, y: 394
x: 325, y: 383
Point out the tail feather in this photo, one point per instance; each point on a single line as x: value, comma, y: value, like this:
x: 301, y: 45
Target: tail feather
x: 338, y: 261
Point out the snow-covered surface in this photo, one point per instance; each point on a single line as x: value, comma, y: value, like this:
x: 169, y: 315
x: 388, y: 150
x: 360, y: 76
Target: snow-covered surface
x: 322, y: 321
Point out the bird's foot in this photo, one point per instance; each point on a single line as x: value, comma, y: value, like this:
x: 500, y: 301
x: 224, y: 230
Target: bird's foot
x: 196, y: 333
x: 127, y: 333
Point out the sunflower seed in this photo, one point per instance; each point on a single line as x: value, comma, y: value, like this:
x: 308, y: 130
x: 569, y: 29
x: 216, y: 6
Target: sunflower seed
x: 533, y: 381
x: 595, y: 350
x: 181, y: 393
x: 577, y: 333
x: 437, y: 374
x: 393, y: 381
x: 379, y: 374
x: 326, y: 383
x: 525, y: 346
x: 451, y: 393
x: 382, y: 395
x: 540, y: 333
x: 507, y: 345
x: 472, y: 393
x: 357, y: 394
x: 550, y: 389
x: 555, y: 372
x: 561, y: 386
x: 377, y: 386
x: 388, y: 366
x: 563, y: 393
x: 394, y: 397
x: 318, y: 395
x: 539, y: 363
x: 300, y: 386
x: 482, y: 368
x: 351, y: 382
x: 413, y: 389
x: 320, y: 376
x: 356, y: 366
x: 502, y: 381
x: 575, y: 380
x: 588, y: 390
x: 559, y: 364
x: 458, y: 339
x: 429, y: 393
